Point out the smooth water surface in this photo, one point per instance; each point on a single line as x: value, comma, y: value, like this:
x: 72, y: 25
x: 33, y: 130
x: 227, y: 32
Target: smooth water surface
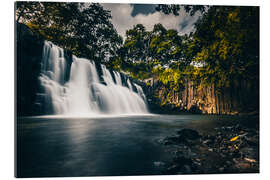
x: 125, y: 145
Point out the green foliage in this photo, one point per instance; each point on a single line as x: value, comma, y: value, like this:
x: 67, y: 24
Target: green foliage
x: 228, y: 41
x: 83, y: 28
x: 144, y: 50
x: 143, y: 46
x: 175, y: 8
x: 224, y: 48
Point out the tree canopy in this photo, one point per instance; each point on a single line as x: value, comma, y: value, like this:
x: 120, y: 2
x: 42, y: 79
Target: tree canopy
x: 227, y: 43
x: 83, y: 28
x: 224, y: 46
x: 144, y: 52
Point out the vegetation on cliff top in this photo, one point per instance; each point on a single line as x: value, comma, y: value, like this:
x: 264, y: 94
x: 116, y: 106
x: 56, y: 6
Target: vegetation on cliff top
x: 223, y: 48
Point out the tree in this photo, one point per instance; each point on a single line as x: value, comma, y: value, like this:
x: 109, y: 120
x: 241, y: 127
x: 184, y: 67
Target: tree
x: 83, y: 28
x: 144, y: 50
x: 136, y: 45
x: 26, y: 11
x: 227, y: 44
x: 165, y: 45
x: 159, y: 46
x: 175, y: 8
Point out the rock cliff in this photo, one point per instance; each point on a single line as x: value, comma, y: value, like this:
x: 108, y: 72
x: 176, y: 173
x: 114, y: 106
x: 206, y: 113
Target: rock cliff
x: 28, y: 55
x: 241, y: 97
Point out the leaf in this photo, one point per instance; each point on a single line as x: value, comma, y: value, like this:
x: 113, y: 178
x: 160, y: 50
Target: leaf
x: 234, y: 138
x: 250, y: 160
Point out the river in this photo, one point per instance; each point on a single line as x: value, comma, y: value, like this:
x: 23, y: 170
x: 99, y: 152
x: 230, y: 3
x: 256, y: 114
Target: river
x: 103, y: 146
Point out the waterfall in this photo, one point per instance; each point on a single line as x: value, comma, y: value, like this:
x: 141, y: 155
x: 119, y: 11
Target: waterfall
x: 84, y: 93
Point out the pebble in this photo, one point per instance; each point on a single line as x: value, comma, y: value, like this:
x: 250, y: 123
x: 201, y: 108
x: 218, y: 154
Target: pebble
x: 221, y: 169
x: 159, y: 163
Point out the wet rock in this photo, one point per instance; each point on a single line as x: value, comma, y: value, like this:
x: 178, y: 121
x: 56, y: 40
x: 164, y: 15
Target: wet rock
x: 189, y: 134
x: 229, y: 163
x: 174, y: 140
x: 236, y: 154
x: 197, y: 163
x: 221, y: 169
x: 186, y: 152
x: 248, y: 152
x: 208, y: 142
x: 186, y: 169
x: 159, y: 163
x: 209, y: 137
x: 182, y: 165
x: 173, y: 169
x: 252, y: 141
x: 183, y: 160
x: 243, y: 165
x: 232, y: 149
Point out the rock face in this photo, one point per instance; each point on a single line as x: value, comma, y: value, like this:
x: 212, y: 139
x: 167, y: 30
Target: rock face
x: 28, y: 62
x: 29, y: 50
x: 241, y: 97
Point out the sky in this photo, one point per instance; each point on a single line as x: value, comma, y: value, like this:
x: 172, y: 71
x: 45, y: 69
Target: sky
x: 125, y: 16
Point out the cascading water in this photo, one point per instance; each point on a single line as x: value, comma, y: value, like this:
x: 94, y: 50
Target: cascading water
x: 83, y: 94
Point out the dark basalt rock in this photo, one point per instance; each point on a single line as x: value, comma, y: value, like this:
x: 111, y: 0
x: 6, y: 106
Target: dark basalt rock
x: 28, y: 57
x: 174, y: 140
x: 232, y: 149
x: 181, y: 165
x: 188, y: 134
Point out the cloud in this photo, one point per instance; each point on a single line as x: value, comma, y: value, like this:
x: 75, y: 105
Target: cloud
x: 123, y: 20
x: 143, y: 8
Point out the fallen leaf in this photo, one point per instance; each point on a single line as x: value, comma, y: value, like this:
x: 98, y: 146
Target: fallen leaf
x: 250, y: 160
x: 234, y: 138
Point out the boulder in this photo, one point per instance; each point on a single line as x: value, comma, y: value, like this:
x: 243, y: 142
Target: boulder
x: 189, y: 134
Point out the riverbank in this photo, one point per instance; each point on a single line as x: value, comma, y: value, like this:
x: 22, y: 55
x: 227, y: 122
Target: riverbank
x: 223, y: 147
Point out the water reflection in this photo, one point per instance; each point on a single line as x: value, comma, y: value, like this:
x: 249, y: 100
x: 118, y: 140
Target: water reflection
x: 99, y: 146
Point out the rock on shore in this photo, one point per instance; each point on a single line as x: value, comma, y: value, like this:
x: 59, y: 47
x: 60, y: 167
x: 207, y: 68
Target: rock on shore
x: 230, y: 149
